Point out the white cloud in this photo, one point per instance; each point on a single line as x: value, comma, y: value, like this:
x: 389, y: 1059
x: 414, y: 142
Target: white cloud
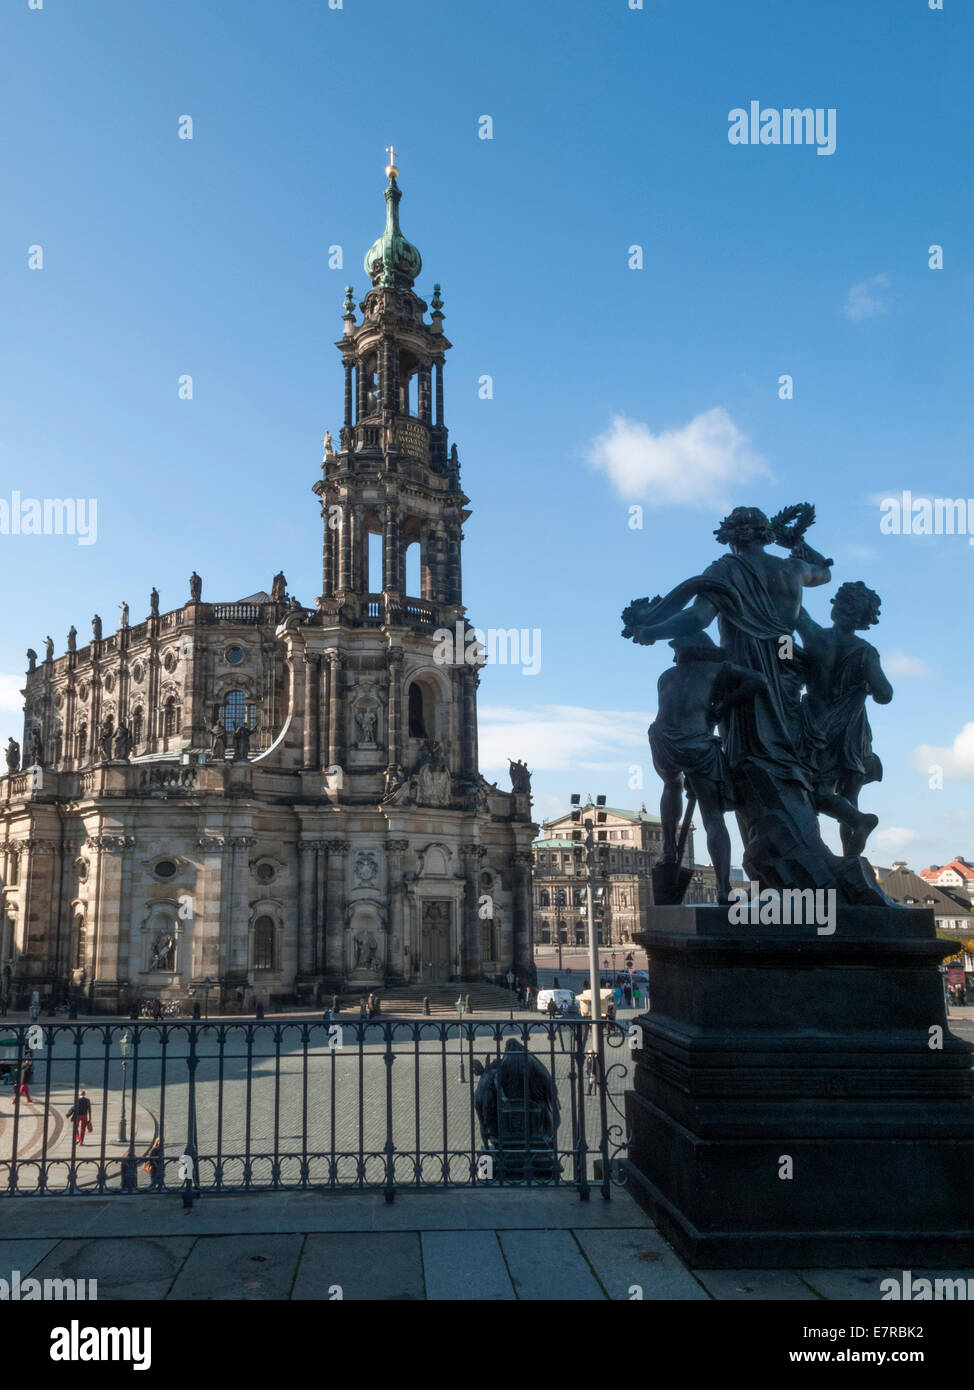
x: 895, y: 838
x: 957, y: 761
x: 701, y: 464
x: 899, y: 664
x: 561, y: 738
x: 863, y: 301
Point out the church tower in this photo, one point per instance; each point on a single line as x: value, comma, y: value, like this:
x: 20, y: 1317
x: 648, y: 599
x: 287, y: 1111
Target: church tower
x: 383, y: 725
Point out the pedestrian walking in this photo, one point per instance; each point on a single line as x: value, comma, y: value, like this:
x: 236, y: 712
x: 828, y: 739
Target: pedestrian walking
x: 362, y: 1011
x: 527, y: 996
x: 591, y: 1072
x: 637, y: 998
x: 35, y: 1006
x: 627, y: 994
x: 370, y: 1006
x: 26, y: 1072
x: 80, y: 1112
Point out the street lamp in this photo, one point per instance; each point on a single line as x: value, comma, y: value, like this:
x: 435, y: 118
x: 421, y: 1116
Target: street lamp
x: 593, y: 960
x: 460, y: 1008
x: 123, y: 1047
x: 207, y: 986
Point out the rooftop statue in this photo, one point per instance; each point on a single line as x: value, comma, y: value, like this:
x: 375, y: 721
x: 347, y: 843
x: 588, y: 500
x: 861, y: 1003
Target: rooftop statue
x: 756, y: 598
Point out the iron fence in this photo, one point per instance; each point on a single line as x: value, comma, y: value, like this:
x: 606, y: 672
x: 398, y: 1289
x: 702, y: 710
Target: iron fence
x: 266, y: 1106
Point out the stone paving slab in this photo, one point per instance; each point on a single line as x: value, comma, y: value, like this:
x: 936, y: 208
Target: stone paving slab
x: 363, y: 1265
x: 756, y: 1285
x: 858, y: 1284
x: 638, y: 1264
x: 465, y: 1265
x: 134, y: 1269
x: 237, y: 1267
x: 164, y: 1215
x: 547, y: 1265
x: 22, y: 1255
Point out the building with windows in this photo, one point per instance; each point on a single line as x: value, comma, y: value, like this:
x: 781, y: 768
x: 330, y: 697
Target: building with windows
x: 955, y: 877
x: 283, y: 800
x: 631, y: 842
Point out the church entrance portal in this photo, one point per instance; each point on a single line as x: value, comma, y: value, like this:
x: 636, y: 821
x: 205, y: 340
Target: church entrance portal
x: 437, y: 957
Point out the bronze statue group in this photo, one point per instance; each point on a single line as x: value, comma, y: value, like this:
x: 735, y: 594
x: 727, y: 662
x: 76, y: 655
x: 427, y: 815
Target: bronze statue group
x: 770, y: 727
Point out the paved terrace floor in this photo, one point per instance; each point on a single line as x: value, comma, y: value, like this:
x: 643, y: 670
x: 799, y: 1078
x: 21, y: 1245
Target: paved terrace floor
x: 450, y: 1246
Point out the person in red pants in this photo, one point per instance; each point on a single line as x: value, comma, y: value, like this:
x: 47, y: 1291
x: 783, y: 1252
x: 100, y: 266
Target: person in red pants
x: 80, y: 1112
x: 26, y: 1072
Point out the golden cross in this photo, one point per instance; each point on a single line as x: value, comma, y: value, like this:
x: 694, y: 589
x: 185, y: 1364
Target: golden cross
x: 391, y: 152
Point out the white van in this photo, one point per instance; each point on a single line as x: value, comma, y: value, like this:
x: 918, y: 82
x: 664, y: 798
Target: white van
x: 560, y: 996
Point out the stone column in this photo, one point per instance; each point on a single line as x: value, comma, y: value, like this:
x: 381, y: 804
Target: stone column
x: 394, y: 720
x: 324, y: 709
x: 335, y: 911
x: 390, y: 547
x: 345, y: 547
x: 307, y: 871
x: 469, y: 679
x: 349, y: 368
x: 312, y: 664
x: 471, y: 953
x: 521, y: 913
x: 362, y: 393
x: 423, y: 395
x: 336, y: 710
x: 439, y: 392
x: 395, y: 849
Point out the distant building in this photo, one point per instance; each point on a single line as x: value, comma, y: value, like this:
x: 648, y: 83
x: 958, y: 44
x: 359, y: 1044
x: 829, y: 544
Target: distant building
x: 958, y: 874
x: 953, y: 912
x: 634, y: 841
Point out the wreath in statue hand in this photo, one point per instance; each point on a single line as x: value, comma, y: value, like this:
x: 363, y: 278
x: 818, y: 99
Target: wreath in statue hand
x: 638, y: 614
x: 790, y: 524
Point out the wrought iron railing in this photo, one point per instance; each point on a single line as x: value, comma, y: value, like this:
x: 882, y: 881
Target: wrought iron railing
x: 310, y: 1104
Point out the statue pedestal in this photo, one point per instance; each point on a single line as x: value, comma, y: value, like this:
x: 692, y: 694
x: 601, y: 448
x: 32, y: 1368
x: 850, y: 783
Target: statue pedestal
x: 772, y: 1050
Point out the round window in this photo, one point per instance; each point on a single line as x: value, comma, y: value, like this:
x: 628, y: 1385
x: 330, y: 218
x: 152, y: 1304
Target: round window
x: 234, y: 655
x: 169, y: 661
x: 137, y: 672
x: 109, y: 684
x: 265, y: 872
x: 165, y: 868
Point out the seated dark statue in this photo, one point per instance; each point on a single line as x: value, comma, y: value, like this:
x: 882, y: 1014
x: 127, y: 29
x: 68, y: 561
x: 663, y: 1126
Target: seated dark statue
x: 517, y: 1109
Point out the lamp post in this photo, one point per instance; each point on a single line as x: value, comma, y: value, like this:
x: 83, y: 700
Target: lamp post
x: 123, y: 1047
x: 460, y: 1008
x: 207, y: 986
x: 593, y: 966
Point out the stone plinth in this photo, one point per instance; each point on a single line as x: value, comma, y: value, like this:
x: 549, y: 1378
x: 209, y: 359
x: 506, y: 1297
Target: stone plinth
x: 772, y: 1049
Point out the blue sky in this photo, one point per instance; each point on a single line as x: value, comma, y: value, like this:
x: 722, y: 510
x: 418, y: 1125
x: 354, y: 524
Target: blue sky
x: 210, y: 257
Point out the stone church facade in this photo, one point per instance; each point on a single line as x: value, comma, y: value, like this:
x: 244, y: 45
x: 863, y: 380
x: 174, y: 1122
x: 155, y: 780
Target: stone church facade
x: 282, y: 801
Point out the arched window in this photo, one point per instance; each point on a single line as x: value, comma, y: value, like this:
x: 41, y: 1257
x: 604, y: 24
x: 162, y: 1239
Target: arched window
x: 417, y: 722
x: 414, y: 572
x: 563, y: 933
x: 264, y: 943
x: 172, y: 718
x: 234, y: 710
x: 561, y: 898
x: 83, y: 742
x: 58, y: 745
x: 545, y: 898
x: 79, y: 942
x: 137, y: 724
x: 546, y: 936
